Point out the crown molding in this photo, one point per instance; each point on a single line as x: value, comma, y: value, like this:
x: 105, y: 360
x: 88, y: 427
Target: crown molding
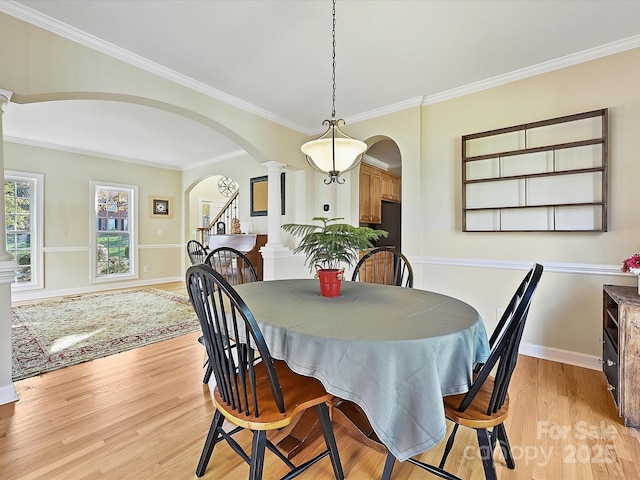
x: 45, y: 22
x: 544, y: 67
x: 379, y: 112
x: 33, y: 17
x: 375, y: 162
x: 93, y: 153
x: 210, y: 161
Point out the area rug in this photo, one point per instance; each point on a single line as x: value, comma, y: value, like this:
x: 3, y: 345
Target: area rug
x: 58, y: 333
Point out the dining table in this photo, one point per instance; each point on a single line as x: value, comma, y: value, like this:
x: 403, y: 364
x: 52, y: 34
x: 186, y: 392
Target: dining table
x: 393, y: 351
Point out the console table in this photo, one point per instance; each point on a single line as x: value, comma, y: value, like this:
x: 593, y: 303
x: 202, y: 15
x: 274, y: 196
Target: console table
x: 621, y: 349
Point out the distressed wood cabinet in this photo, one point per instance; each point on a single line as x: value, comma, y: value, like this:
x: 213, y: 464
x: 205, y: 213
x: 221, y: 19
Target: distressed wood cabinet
x: 621, y: 349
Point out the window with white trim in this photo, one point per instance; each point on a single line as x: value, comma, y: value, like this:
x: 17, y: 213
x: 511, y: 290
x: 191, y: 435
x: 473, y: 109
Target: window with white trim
x: 24, y: 227
x: 113, y: 232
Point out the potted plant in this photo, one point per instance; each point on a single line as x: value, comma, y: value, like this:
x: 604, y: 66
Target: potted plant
x: 329, y: 245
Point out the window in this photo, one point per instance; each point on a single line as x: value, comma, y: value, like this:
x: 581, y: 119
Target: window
x: 113, y: 243
x: 23, y: 218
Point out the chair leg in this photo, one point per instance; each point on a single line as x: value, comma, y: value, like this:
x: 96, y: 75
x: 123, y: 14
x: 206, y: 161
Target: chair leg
x: 330, y: 440
x: 210, y: 442
x: 486, y: 453
x: 501, y: 434
x: 449, y: 445
x: 257, y: 454
x: 207, y: 373
x: 388, y: 466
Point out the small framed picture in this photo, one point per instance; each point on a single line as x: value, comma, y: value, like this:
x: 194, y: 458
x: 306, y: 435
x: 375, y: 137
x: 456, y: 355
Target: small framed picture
x: 161, y: 207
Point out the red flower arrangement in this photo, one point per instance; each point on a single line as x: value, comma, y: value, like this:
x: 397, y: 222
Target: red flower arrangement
x: 632, y: 264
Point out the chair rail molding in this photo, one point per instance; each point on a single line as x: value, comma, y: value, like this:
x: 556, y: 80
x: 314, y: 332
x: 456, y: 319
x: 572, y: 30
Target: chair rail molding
x: 556, y: 267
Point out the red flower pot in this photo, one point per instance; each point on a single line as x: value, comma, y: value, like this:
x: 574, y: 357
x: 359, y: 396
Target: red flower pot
x: 330, y: 280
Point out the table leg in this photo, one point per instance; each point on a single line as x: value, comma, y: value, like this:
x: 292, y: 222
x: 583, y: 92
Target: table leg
x: 344, y: 413
x: 305, y: 431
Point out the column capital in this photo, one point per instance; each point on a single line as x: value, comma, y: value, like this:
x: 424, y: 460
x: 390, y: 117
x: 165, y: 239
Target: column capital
x: 5, y: 97
x: 272, y: 165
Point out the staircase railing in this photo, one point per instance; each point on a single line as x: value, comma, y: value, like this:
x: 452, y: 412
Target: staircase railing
x: 221, y: 223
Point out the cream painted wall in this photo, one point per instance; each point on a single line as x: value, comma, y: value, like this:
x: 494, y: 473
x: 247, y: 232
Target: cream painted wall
x: 67, y: 215
x: 567, y: 310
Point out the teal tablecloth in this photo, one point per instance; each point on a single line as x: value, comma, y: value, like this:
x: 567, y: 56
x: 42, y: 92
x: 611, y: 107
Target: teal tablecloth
x: 394, y: 351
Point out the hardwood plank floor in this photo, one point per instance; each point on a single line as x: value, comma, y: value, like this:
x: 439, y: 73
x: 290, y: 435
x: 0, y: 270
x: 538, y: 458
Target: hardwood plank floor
x: 144, y: 414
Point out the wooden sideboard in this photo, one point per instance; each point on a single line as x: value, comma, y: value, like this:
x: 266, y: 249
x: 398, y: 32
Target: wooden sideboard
x: 621, y: 349
x: 255, y: 257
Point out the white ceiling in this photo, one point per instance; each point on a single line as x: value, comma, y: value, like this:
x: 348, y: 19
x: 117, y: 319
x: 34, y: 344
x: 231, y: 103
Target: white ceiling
x: 273, y: 58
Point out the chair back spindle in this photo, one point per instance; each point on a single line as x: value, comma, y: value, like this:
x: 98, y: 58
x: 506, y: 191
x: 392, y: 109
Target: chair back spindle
x: 504, y: 343
x: 232, y: 264
x: 196, y: 251
x: 386, y: 266
x: 226, y: 321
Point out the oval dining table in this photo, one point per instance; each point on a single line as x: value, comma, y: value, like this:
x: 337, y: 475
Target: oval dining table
x: 393, y: 351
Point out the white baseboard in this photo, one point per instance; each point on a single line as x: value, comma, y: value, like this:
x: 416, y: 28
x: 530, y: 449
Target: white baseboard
x: 561, y: 356
x: 93, y: 288
x: 8, y: 394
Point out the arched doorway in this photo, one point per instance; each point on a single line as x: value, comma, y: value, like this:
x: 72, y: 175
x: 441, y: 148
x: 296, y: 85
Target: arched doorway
x: 384, y: 162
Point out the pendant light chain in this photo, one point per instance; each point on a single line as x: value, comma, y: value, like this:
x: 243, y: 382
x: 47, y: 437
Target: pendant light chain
x: 334, y: 152
x: 333, y: 34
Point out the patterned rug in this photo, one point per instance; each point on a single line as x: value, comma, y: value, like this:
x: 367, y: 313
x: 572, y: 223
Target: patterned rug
x: 58, y: 333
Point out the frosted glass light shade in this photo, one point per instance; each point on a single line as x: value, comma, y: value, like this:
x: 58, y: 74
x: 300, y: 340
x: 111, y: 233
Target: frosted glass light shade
x: 321, y: 153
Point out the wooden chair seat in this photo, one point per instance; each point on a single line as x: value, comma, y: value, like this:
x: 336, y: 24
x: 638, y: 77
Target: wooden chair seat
x: 475, y: 416
x: 300, y: 393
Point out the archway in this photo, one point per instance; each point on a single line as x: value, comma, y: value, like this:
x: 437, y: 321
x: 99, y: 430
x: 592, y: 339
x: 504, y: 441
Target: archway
x: 384, y: 154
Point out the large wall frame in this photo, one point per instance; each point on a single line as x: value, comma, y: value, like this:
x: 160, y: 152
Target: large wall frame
x: 549, y: 175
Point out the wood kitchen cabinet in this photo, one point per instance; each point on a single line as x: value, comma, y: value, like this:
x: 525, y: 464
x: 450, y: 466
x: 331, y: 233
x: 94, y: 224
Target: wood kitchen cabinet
x: 390, y: 187
x: 621, y: 349
x: 370, y: 194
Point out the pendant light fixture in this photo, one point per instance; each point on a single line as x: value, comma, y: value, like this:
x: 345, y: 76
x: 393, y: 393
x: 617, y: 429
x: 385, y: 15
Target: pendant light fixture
x: 334, y: 152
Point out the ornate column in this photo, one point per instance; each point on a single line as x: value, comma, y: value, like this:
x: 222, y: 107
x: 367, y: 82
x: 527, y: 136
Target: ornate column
x: 7, y: 274
x: 275, y: 255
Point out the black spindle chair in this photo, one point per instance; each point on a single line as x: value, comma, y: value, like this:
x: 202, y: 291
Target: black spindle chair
x: 384, y: 265
x: 236, y: 269
x: 255, y: 395
x: 196, y: 251
x: 486, y: 404
x: 234, y: 265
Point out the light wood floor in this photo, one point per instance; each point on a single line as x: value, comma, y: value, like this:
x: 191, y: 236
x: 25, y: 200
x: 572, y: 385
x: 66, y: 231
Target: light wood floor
x: 143, y: 414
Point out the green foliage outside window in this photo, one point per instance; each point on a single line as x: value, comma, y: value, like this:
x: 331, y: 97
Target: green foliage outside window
x: 17, y: 195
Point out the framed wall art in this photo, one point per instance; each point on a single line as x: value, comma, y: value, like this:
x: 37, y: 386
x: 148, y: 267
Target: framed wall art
x: 259, y: 187
x: 160, y: 207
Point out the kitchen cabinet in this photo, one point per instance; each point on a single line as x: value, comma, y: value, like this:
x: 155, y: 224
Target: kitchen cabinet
x: 390, y: 187
x: 370, y: 194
